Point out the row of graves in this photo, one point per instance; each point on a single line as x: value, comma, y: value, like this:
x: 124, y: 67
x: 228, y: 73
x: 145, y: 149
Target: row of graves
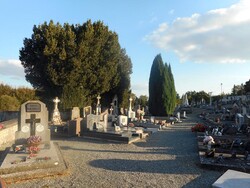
x: 114, y: 124
x: 108, y: 124
x: 224, y: 139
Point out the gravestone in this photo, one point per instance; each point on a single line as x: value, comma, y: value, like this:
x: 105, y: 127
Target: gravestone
x: 122, y: 111
x: 75, y: 127
x: 131, y: 113
x: 115, y: 105
x: 233, y: 178
x: 97, y: 122
x: 178, y: 116
x: 122, y: 120
x: 184, y: 114
x: 56, y: 117
x: 75, y: 113
x: 86, y: 111
x: 33, y: 120
x: 239, y: 120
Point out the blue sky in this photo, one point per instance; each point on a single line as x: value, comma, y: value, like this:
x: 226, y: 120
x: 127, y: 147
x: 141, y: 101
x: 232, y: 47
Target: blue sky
x: 205, y: 41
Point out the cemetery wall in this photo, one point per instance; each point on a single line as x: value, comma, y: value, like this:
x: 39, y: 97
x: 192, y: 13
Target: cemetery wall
x: 8, y: 115
x: 7, y: 134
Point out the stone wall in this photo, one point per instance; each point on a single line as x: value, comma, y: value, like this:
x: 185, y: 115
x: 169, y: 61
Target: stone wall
x: 7, y: 134
x: 8, y: 115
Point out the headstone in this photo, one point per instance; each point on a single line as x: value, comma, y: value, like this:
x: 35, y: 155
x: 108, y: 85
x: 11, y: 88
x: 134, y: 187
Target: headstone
x: 122, y: 111
x: 111, y: 110
x: 184, y: 114
x: 131, y: 114
x: 178, y: 116
x: 239, y: 120
x: 56, y: 117
x: 97, y: 122
x: 115, y: 105
x: 185, y: 100
x: 232, y: 179
x: 122, y: 120
x: 86, y: 111
x: 33, y: 120
x: 75, y: 127
x: 75, y: 113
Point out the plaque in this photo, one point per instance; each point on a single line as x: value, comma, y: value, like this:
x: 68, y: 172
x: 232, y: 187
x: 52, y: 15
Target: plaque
x: 33, y: 107
x: 25, y: 129
x: 39, y: 128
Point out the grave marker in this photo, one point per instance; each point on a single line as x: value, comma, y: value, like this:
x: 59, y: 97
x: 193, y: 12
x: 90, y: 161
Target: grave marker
x: 33, y: 120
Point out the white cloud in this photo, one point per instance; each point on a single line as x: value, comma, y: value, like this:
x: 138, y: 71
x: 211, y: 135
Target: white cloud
x: 11, y: 68
x: 219, y: 36
x: 139, y: 89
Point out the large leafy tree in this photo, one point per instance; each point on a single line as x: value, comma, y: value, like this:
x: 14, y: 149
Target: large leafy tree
x: 162, y: 94
x: 75, y: 62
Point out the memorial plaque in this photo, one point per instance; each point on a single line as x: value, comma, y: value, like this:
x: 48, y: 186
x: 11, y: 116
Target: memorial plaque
x: 33, y: 107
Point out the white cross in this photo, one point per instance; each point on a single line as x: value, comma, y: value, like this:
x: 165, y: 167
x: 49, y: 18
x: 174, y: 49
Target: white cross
x: 56, y: 101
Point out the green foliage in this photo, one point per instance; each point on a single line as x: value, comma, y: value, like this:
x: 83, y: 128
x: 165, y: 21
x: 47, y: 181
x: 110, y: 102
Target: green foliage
x: 247, y: 86
x: 9, y: 103
x: 75, y: 62
x: 12, y: 98
x: 23, y: 94
x: 196, y: 97
x: 162, y: 94
x: 238, y: 90
x: 143, y: 101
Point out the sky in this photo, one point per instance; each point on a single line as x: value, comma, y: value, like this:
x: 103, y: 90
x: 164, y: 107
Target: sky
x: 207, y: 42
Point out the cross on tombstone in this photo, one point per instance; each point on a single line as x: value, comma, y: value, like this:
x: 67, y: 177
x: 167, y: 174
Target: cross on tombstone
x: 111, y: 110
x: 56, y: 101
x: 32, y: 122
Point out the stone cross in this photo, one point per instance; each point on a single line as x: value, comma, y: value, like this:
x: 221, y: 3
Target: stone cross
x: 56, y: 101
x: 32, y: 122
x: 98, y: 99
x: 111, y: 110
x: 130, y: 104
x: 98, y: 107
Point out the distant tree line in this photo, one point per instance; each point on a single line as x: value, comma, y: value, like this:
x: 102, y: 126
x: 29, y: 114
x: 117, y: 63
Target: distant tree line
x: 12, y: 98
x: 196, y: 97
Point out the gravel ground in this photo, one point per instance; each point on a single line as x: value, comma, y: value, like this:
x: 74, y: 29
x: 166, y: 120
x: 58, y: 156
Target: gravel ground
x: 168, y: 158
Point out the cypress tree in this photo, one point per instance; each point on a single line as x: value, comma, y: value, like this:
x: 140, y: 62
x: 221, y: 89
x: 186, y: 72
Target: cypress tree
x: 155, y: 86
x: 162, y: 94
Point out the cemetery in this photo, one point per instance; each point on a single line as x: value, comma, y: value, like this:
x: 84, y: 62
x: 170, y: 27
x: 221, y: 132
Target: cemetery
x: 223, y: 138
x: 35, y: 155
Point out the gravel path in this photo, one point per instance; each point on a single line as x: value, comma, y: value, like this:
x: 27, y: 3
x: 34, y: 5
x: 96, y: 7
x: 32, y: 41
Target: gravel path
x: 167, y: 158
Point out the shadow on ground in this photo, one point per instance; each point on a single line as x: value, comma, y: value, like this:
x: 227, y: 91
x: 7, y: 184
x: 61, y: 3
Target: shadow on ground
x: 144, y: 166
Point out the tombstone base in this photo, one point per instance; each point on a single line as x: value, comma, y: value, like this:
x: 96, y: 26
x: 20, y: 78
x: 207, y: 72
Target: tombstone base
x: 123, y: 137
x: 20, y: 137
x: 17, y: 167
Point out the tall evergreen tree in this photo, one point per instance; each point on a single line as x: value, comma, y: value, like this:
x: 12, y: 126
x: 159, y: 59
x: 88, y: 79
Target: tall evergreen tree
x: 75, y: 62
x: 155, y: 86
x: 162, y: 94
